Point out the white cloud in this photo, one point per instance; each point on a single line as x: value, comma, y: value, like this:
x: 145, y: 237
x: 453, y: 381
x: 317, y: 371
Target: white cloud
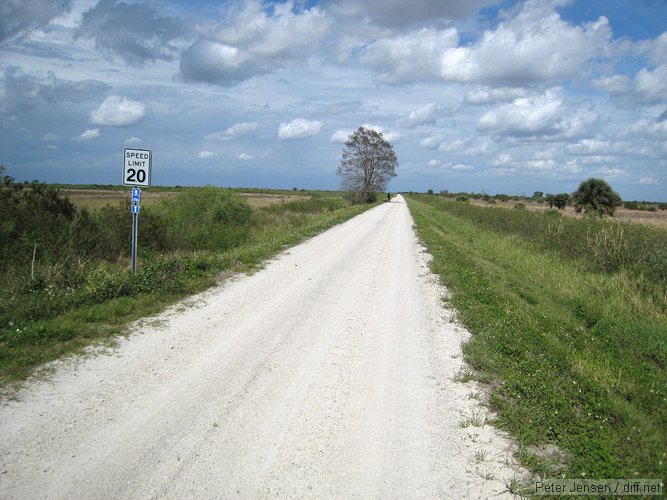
x: 536, y: 45
x: 233, y: 131
x: 648, y: 181
x: 341, y: 136
x: 51, y: 137
x: 488, y: 95
x: 540, y: 116
x: 455, y: 146
x: 89, y: 134
x: 299, y: 129
x: 251, y: 42
x: 206, y: 154
x: 433, y: 163
x: 119, y: 111
x: 414, y: 56
x: 246, y: 157
x: 648, y: 127
x: 533, y: 46
x: 134, y: 141
x: 461, y: 166
x: 389, y: 135
x: 648, y: 86
x: 431, y: 142
x: 540, y: 164
x: 396, y: 12
x: 615, y: 84
x: 424, y: 115
x: 589, y: 147
x: 611, y: 173
x: 651, y: 85
x: 501, y: 160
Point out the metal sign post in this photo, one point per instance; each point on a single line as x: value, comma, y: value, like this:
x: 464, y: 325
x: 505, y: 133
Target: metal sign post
x: 135, y: 228
x: 136, y: 172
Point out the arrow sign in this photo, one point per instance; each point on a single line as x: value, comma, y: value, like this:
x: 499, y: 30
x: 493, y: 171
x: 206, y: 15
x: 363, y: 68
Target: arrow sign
x: 135, y: 208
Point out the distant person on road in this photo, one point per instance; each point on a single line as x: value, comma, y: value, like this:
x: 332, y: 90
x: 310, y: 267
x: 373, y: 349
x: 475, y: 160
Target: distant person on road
x: 388, y: 196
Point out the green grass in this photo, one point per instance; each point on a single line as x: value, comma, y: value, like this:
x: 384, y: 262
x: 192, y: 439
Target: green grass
x: 68, y: 304
x: 575, y: 354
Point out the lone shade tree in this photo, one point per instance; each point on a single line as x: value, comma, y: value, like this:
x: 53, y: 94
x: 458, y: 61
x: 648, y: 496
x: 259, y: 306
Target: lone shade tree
x: 368, y: 164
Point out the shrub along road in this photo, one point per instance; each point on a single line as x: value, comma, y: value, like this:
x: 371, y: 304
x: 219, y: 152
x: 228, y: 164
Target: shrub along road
x: 331, y: 372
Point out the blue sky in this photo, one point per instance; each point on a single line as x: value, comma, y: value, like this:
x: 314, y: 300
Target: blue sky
x: 500, y: 96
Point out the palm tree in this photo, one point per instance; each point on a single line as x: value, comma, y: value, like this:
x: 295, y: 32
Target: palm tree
x: 596, y: 197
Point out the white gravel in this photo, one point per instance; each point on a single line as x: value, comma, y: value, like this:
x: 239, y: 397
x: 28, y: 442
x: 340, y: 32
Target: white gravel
x: 330, y: 373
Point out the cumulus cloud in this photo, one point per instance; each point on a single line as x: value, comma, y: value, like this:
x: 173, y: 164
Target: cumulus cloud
x: 502, y: 160
x: 589, y: 147
x: 206, y: 154
x: 647, y: 127
x: 489, y: 95
x: 341, y: 136
x: 134, y: 31
x: 233, y: 131
x: 51, y: 137
x: 461, y: 166
x: 424, y: 115
x: 410, y: 57
x: 651, y: 85
x: 388, y: 134
x: 396, y: 13
x: 465, y: 146
x: 252, y: 41
x: 647, y: 87
x: 533, y: 46
x: 119, y: 111
x: 298, y: 129
x: 134, y: 141
x: 246, y: 157
x: 89, y: 134
x: 540, y: 116
x: 19, y: 16
x: 614, y: 84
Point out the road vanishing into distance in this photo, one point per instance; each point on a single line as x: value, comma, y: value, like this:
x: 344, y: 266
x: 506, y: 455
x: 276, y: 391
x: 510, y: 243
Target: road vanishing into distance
x: 329, y: 373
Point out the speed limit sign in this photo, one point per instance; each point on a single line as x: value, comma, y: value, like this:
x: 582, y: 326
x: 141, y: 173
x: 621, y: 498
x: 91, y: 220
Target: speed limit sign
x: 137, y: 167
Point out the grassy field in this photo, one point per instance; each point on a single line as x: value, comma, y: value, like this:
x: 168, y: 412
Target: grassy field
x: 571, y: 343
x: 67, y: 282
x: 657, y: 218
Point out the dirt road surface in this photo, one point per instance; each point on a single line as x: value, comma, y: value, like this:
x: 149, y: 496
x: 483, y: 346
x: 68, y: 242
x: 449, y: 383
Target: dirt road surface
x: 329, y: 373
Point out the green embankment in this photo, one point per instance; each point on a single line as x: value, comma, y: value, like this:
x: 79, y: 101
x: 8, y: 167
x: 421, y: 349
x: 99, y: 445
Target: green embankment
x: 569, y: 330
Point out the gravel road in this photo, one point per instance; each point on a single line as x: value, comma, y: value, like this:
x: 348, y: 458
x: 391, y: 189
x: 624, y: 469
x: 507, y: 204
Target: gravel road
x: 329, y: 373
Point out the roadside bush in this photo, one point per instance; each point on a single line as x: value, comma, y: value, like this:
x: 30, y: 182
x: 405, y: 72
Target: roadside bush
x: 34, y: 221
x: 112, y: 225
x: 207, y: 218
